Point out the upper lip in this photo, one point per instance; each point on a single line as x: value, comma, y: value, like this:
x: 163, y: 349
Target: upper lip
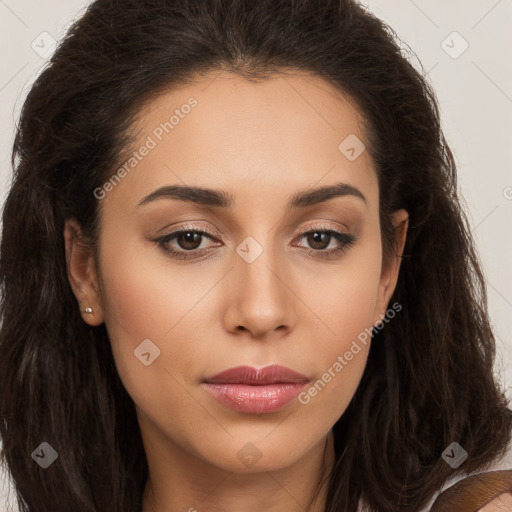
x: 272, y: 374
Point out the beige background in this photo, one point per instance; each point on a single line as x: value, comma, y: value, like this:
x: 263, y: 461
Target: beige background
x: 474, y: 91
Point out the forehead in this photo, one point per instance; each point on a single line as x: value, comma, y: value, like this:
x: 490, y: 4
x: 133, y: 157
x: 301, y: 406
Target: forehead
x: 287, y: 132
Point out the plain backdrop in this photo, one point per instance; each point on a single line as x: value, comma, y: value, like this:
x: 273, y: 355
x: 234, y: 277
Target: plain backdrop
x: 465, y: 48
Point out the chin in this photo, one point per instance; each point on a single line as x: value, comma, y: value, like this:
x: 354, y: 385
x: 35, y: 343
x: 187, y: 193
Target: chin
x: 255, y: 457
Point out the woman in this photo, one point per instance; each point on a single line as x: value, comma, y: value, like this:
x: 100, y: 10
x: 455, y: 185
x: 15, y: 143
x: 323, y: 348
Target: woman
x: 235, y: 271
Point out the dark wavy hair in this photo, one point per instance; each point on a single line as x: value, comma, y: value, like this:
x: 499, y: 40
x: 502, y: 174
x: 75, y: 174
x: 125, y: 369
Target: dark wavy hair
x: 429, y: 377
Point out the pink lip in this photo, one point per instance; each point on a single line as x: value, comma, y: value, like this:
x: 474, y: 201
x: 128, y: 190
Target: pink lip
x: 256, y: 391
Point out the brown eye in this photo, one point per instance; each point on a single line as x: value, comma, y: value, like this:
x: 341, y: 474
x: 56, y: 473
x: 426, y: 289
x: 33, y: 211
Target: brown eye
x: 189, y: 240
x: 184, y: 243
x: 319, y: 240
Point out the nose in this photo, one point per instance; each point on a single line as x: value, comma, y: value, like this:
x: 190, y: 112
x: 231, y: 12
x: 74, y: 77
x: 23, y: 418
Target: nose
x: 260, y: 300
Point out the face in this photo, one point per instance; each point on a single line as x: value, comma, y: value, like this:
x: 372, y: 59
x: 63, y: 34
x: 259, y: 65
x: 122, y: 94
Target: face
x: 258, y: 270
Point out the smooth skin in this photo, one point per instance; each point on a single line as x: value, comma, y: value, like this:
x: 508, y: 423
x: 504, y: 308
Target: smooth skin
x: 294, y: 305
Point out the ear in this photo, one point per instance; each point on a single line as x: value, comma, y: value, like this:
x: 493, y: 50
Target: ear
x: 391, y: 264
x: 81, y: 271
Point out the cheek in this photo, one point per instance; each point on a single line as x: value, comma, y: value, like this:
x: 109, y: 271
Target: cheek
x: 347, y: 307
x: 148, y: 296
x: 345, y: 294
x: 339, y: 357
x: 180, y: 308
x: 148, y: 301
x: 145, y: 300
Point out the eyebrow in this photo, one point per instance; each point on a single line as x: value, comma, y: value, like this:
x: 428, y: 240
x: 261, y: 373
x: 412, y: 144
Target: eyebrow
x: 222, y: 199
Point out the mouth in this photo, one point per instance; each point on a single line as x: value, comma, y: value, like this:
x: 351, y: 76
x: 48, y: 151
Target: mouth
x: 256, y: 391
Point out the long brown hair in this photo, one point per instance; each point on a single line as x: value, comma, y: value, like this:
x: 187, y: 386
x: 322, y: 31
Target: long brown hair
x: 429, y: 377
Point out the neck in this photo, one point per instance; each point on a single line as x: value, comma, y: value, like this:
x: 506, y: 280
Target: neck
x: 196, y: 486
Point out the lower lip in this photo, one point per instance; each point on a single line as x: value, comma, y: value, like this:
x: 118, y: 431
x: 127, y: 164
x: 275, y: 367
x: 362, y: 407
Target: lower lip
x: 255, y: 399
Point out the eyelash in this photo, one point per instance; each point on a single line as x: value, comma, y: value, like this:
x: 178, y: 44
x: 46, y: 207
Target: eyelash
x: 347, y: 241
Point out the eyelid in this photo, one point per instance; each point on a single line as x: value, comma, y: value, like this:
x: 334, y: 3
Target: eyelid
x: 189, y: 227
x: 321, y: 225
x: 342, y: 236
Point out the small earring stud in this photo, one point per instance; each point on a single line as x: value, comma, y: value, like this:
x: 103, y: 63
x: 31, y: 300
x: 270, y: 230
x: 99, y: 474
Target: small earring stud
x: 88, y: 310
